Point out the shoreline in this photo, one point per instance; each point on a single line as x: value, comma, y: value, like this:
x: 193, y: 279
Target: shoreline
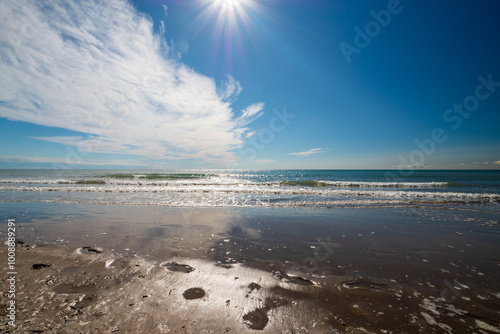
x: 272, y: 270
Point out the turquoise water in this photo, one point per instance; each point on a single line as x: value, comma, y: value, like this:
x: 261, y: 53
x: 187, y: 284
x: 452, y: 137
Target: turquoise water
x: 256, y: 188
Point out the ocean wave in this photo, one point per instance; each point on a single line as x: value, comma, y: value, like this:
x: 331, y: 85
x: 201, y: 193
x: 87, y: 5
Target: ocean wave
x: 158, y: 176
x: 261, y: 190
x: 124, y: 181
x: 213, y: 180
x: 362, y: 184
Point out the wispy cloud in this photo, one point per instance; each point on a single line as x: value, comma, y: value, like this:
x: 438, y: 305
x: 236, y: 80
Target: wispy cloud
x: 250, y: 113
x: 479, y: 164
x: 165, y: 8
x: 230, y: 89
x: 97, y: 67
x: 309, y: 152
x: 263, y: 161
x: 415, y: 166
x: 250, y: 134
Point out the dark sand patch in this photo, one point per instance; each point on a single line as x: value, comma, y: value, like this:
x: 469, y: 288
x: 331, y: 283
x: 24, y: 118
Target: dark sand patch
x: 194, y: 293
x: 37, y: 266
x: 367, y: 285
x: 256, y: 319
x: 173, y: 266
x: 254, y: 286
x: 293, y: 279
x: 91, y: 250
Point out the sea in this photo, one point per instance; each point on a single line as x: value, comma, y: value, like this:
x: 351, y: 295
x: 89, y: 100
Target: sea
x: 451, y: 189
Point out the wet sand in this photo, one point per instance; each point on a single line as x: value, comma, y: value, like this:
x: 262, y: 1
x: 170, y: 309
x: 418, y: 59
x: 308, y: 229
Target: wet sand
x: 148, y: 269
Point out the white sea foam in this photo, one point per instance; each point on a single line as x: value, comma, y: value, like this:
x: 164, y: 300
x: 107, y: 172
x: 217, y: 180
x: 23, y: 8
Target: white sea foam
x: 212, y: 188
x: 258, y: 189
x: 362, y: 184
x: 103, y: 195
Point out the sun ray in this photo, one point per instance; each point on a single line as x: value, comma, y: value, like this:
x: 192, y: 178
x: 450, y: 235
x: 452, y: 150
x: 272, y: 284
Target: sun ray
x: 230, y: 22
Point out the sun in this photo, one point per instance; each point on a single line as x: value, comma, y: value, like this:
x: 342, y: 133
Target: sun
x: 234, y: 11
x: 228, y: 4
x: 230, y: 7
x: 230, y: 14
x: 231, y: 25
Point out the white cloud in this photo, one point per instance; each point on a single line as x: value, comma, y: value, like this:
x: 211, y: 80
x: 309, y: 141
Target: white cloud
x: 162, y: 27
x: 415, y: 166
x: 263, y: 161
x: 165, y: 9
x: 497, y: 162
x: 97, y: 68
x: 250, y: 113
x: 230, y: 89
x: 250, y: 134
x: 309, y: 152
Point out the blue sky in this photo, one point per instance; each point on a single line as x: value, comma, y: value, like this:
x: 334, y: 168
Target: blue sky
x: 250, y: 84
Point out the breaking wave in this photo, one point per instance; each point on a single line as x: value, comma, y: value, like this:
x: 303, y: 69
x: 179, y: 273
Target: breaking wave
x: 252, y: 188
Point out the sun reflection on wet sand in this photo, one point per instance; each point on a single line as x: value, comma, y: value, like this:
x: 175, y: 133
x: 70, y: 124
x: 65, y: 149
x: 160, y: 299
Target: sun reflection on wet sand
x: 241, y: 270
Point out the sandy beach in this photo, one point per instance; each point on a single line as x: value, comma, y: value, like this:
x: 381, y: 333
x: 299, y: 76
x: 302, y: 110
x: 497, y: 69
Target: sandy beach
x: 144, y: 269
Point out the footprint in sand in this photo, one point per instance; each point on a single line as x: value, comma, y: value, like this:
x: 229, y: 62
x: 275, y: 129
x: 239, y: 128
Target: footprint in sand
x: 193, y: 293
